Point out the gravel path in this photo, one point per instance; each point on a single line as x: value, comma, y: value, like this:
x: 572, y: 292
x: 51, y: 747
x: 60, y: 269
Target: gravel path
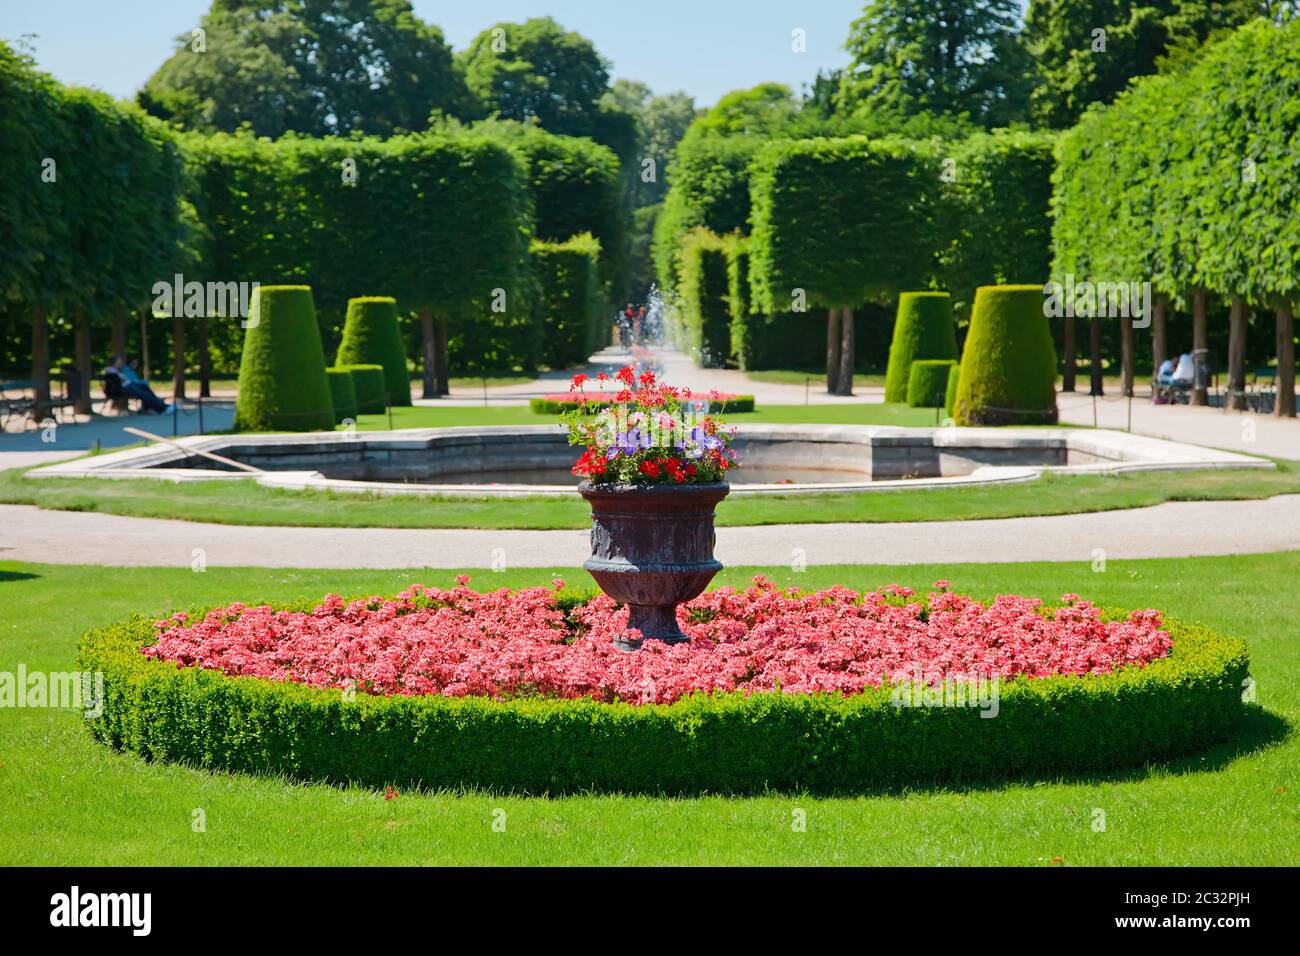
x: 1174, y: 529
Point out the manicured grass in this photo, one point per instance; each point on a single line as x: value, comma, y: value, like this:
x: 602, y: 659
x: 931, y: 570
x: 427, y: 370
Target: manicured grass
x: 66, y: 800
x: 814, y: 377
x: 228, y: 502
x: 424, y: 416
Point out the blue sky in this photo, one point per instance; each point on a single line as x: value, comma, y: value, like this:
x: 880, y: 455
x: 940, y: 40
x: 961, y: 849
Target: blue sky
x: 705, y: 47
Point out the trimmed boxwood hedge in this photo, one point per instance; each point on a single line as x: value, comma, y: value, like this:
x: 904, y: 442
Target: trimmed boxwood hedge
x: 924, y: 329
x: 343, y: 393
x: 282, y: 384
x: 706, y: 298
x: 927, y: 386
x: 950, y: 397
x: 1008, y: 368
x: 569, y: 315
x: 371, y: 337
x: 370, y: 387
x: 545, y: 405
x: 728, y: 743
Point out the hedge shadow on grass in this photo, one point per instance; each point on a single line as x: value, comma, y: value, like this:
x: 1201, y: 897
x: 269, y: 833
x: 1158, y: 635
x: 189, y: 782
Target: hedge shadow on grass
x: 1061, y: 729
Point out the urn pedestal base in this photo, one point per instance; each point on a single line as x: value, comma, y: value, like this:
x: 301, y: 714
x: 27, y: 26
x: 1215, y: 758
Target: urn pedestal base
x: 652, y: 549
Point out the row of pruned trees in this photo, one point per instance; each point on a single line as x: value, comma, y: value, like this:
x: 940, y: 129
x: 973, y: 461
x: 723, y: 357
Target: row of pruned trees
x: 1188, y: 181
x: 842, y: 223
x: 107, y: 202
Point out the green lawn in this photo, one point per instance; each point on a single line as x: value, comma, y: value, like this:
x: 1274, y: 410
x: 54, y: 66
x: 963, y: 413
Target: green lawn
x: 67, y: 800
x: 815, y: 378
x: 227, y: 502
x: 425, y: 416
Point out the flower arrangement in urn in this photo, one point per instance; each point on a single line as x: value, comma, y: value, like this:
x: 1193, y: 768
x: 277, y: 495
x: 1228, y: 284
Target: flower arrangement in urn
x: 654, y: 466
x: 652, y: 433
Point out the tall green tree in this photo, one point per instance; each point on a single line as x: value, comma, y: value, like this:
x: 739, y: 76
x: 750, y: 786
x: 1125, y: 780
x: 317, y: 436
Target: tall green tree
x: 537, y: 71
x: 962, y: 57
x: 311, y: 66
x: 661, y: 122
x: 1087, y: 51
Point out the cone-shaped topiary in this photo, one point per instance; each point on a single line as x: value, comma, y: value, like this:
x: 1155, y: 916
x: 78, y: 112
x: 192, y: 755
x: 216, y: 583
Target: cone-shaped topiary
x: 923, y: 330
x: 371, y: 336
x: 282, y: 384
x: 344, y: 395
x: 1008, y: 370
x: 370, y: 387
x: 950, y: 397
x: 927, y: 386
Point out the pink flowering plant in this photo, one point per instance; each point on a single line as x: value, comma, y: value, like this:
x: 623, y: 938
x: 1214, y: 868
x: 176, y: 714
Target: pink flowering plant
x: 546, y: 642
x: 651, y: 434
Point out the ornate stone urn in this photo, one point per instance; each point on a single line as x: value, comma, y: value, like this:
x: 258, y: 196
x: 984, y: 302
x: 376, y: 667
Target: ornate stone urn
x: 652, y: 549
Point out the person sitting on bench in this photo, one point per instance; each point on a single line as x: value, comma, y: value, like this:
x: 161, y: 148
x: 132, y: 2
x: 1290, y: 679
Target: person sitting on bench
x: 1166, y: 372
x: 133, y: 386
x: 1185, y: 372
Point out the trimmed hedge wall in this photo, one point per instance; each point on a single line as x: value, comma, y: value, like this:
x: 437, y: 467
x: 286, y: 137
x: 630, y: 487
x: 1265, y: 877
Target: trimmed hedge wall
x: 705, y: 292
x: 709, y: 177
x: 369, y: 386
x: 846, y: 220
x: 343, y: 393
x: 927, y: 385
x: 1008, y: 368
x: 569, y: 305
x: 722, y: 743
x: 742, y: 318
x: 282, y: 383
x: 371, y: 337
x: 923, y: 330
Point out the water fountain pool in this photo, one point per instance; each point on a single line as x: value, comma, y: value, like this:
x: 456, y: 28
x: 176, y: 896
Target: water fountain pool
x: 535, y: 459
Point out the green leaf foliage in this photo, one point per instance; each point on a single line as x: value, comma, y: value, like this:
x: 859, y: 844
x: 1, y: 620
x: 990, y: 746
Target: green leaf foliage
x: 570, y: 315
x: 708, y: 186
x: 994, y: 221
x: 1189, y: 180
x: 846, y: 220
x: 343, y: 394
x: 927, y: 382
x: 1008, y: 366
x: 282, y: 383
x: 371, y: 337
x: 370, y: 386
x: 923, y: 330
x: 704, y: 288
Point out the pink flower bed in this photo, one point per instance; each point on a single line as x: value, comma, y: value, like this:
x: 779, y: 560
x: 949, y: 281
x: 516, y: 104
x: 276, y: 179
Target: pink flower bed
x: 508, y: 644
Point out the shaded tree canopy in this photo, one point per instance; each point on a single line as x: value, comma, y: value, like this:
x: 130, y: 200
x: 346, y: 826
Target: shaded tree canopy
x: 538, y: 71
x: 309, y: 66
x: 938, y: 56
x: 1087, y: 51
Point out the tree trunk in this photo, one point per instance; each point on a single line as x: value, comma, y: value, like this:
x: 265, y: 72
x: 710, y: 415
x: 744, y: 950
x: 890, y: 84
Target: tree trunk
x: 82, y: 347
x: 1200, y: 348
x: 40, y: 365
x: 145, y: 369
x: 430, y: 353
x: 117, y: 337
x: 1237, y: 355
x: 1071, y: 350
x: 444, y: 361
x: 1126, y: 355
x: 178, y: 358
x: 833, y: 346
x: 205, y: 360
x: 847, y: 353
x: 1159, y: 337
x: 1094, y: 355
x: 1284, y: 407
